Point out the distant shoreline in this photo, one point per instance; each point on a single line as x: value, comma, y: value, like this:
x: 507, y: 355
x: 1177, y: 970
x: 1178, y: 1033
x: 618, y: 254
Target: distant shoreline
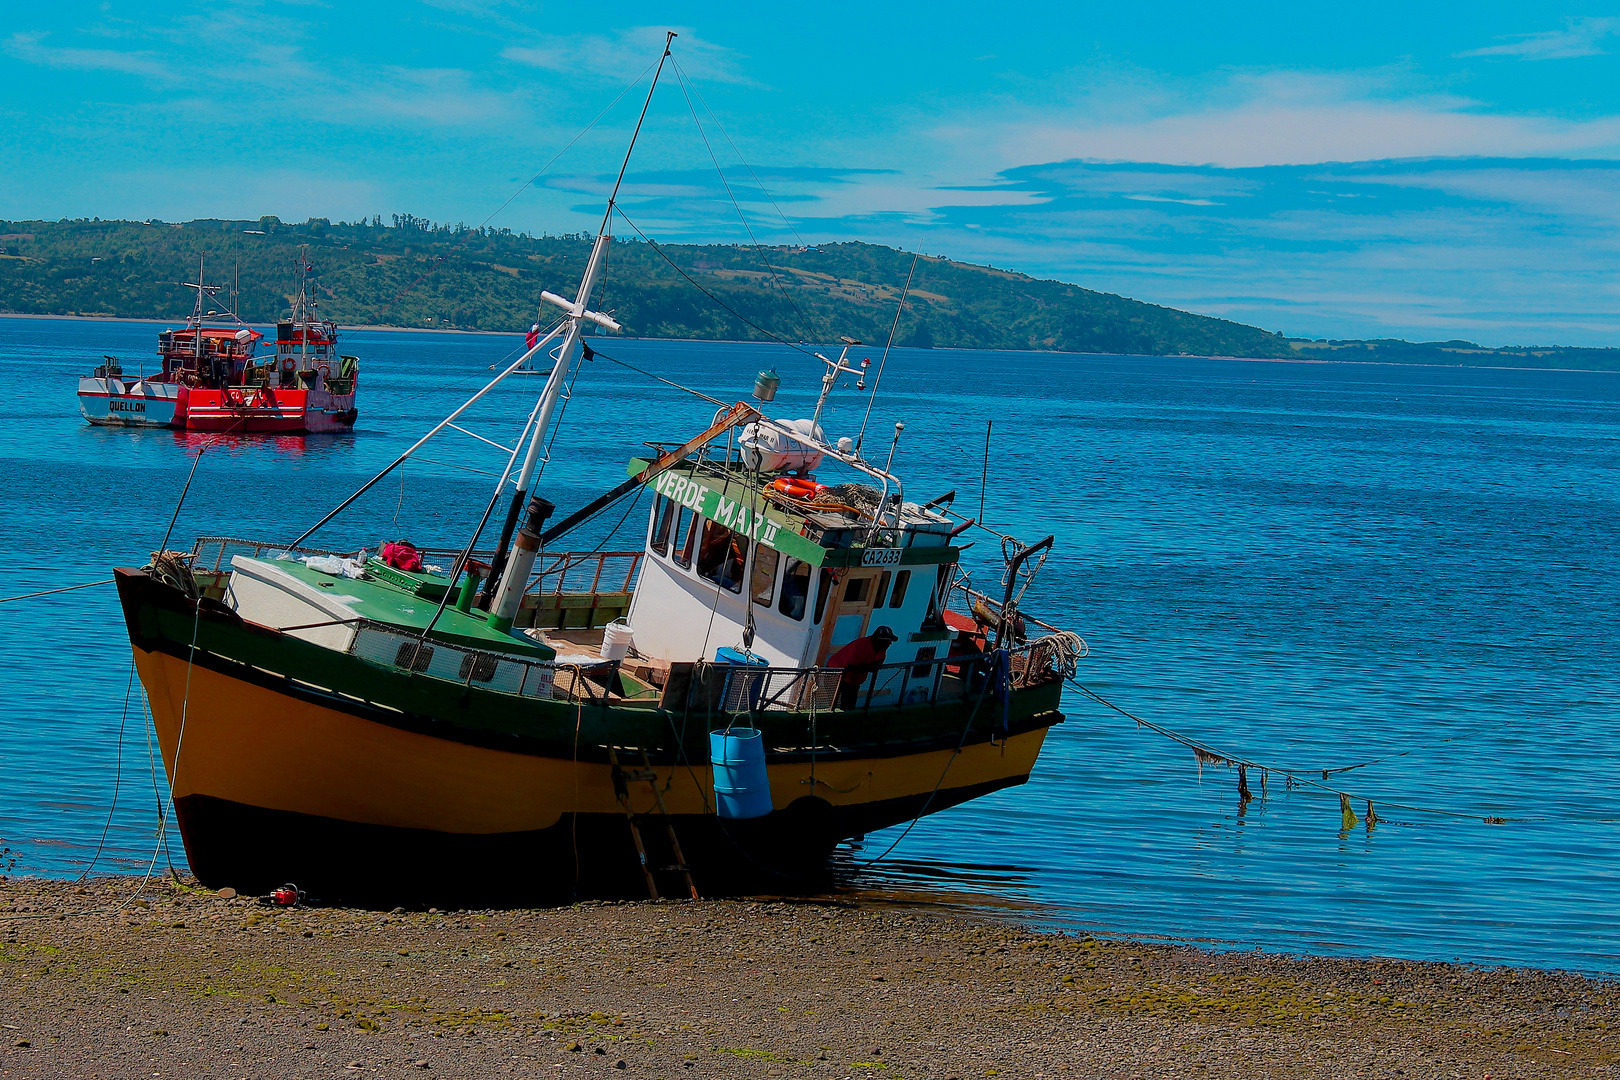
x: 716, y: 341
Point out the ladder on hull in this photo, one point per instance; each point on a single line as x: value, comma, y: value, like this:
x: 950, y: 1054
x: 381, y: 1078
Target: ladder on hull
x: 622, y: 779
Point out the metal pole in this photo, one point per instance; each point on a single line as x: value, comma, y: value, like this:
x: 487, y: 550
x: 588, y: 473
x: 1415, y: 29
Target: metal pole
x: 508, y: 591
x: 440, y: 426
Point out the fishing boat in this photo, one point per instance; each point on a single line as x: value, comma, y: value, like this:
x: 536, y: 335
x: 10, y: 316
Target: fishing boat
x: 211, y: 378
x: 790, y: 658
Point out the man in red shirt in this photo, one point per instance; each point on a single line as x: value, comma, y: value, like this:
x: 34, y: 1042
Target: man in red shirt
x: 858, y: 659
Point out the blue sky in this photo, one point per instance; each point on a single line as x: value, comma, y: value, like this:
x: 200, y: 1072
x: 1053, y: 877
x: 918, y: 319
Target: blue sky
x: 1418, y: 170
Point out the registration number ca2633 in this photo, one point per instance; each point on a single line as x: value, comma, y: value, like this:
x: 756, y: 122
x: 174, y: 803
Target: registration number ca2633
x: 883, y: 556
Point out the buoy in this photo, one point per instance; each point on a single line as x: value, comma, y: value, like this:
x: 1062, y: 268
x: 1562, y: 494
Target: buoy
x: 795, y: 488
x: 741, y: 787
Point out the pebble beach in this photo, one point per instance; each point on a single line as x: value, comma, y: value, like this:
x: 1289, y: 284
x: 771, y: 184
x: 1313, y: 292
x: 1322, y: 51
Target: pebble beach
x: 99, y: 981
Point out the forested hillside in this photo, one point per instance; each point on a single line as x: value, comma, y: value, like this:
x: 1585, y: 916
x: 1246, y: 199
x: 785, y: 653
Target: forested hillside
x: 409, y: 272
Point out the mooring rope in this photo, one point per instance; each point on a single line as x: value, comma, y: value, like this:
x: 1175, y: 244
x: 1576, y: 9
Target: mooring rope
x: 1208, y: 754
x: 48, y: 592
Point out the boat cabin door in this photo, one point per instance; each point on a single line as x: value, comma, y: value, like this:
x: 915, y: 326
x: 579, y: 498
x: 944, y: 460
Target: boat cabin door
x: 854, y: 598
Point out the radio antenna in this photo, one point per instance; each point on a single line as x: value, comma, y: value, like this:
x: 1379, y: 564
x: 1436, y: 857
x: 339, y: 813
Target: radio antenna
x: 886, y: 346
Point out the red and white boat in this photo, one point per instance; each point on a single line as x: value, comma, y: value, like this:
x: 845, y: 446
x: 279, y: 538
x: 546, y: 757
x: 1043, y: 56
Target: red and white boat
x: 212, y: 378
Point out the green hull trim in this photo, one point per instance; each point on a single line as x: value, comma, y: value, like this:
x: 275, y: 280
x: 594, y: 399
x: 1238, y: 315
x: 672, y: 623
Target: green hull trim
x: 162, y: 619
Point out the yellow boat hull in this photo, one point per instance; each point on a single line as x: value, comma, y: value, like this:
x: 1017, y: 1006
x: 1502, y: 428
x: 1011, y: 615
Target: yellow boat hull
x: 272, y: 788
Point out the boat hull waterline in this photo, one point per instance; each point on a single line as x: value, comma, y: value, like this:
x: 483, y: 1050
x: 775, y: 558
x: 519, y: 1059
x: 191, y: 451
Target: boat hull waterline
x: 108, y: 402
x: 277, y: 779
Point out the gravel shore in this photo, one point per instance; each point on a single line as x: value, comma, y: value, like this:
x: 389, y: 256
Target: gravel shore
x: 185, y: 983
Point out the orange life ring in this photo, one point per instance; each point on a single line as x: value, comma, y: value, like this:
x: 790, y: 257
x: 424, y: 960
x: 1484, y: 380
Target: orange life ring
x: 795, y: 488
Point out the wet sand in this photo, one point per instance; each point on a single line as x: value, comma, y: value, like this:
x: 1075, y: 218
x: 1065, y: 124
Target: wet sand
x: 184, y: 983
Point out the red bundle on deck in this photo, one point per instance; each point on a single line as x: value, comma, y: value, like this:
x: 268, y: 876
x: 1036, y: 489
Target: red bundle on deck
x: 402, y: 555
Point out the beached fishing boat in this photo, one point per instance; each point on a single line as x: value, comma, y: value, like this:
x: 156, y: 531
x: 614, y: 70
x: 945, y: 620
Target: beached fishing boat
x: 211, y: 378
x: 783, y: 663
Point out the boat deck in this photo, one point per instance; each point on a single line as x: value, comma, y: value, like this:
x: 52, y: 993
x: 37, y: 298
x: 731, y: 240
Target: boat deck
x: 380, y: 600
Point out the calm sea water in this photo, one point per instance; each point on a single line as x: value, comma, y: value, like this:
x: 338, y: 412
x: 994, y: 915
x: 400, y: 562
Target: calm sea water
x: 1309, y: 565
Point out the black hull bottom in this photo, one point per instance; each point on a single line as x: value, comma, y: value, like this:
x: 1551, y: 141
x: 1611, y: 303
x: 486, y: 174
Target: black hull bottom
x: 253, y: 850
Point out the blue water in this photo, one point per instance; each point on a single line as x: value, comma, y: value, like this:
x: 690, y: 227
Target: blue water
x: 1309, y: 565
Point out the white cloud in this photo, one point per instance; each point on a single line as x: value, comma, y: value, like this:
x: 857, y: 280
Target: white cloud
x: 1183, y: 202
x: 1579, y: 37
x: 29, y: 47
x: 624, y: 53
x: 1282, y: 119
x: 442, y: 97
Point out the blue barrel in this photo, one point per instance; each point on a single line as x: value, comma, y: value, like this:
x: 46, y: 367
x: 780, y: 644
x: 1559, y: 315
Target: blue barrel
x: 742, y: 687
x: 741, y: 788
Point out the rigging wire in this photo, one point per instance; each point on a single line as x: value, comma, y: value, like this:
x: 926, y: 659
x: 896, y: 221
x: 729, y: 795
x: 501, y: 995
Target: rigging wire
x: 762, y: 188
x: 680, y: 78
x: 983, y: 693
x: 438, y: 261
x: 721, y: 303
x: 886, y: 346
x: 562, y: 414
x: 655, y: 378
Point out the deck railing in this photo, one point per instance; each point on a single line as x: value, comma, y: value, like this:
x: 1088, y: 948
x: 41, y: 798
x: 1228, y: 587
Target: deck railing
x: 750, y: 688
x: 572, y: 591
x: 724, y: 687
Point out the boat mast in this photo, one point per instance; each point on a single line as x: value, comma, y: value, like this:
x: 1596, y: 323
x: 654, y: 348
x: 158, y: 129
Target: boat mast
x: 197, y: 315
x: 298, y: 312
x: 510, y: 574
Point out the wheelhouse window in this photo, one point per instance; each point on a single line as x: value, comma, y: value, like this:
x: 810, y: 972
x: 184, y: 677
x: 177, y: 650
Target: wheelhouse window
x: 685, y: 537
x: 882, y: 593
x: 936, y: 599
x: 722, y: 555
x: 795, y: 588
x: 766, y: 560
x: 901, y: 581
x: 825, y: 587
x: 663, y: 523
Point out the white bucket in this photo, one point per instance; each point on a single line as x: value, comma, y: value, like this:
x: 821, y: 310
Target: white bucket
x: 616, y: 638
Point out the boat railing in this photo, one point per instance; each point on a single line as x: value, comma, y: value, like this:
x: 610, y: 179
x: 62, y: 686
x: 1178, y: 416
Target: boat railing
x: 731, y: 688
x: 580, y: 590
x: 209, y: 553
x: 750, y: 688
x: 211, y: 558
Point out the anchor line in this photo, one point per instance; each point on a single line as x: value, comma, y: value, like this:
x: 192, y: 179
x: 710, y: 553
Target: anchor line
x: 1206, y: 752
x: 48, y: 592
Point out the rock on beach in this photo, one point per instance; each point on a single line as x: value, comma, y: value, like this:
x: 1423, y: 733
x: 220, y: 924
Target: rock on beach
x: 185, y: 982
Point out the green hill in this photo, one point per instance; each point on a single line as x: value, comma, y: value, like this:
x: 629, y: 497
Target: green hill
x: 412, y: 273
